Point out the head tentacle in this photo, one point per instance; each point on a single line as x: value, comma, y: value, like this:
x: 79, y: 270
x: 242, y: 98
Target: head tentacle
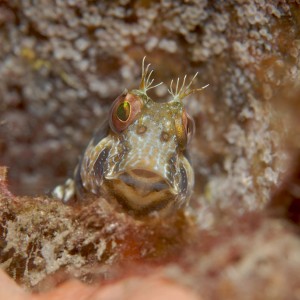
x: 147, y: 81
x: 183, y: 91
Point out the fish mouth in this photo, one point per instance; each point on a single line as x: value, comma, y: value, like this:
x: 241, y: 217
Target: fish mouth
x: 142, y: 190
x: 144, y: 181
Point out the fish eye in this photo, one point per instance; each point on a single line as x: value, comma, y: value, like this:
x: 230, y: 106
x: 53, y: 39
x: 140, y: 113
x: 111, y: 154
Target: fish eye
x: 123, y: 111
x: 185, y: 129
x: 189, y: 127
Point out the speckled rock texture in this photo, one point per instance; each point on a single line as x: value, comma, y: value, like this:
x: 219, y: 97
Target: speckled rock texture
x: 41, y: 236
x: 45, y: 244
x: 62, y: 63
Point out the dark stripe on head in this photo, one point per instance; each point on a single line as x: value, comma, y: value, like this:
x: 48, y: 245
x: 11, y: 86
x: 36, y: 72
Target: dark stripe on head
x: 99, y: 166
x: 183, y: 185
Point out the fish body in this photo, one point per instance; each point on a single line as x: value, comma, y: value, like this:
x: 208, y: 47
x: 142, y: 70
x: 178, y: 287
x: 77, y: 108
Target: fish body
x: 138, y: 160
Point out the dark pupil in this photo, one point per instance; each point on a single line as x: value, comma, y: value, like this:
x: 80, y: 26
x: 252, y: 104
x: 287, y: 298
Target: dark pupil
x: 123, y: 111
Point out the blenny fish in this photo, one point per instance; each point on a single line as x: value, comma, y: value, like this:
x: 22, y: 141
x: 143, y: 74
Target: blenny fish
x: 138, y: 160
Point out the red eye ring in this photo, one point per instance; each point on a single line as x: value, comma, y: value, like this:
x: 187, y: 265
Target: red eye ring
x: 124, y: 111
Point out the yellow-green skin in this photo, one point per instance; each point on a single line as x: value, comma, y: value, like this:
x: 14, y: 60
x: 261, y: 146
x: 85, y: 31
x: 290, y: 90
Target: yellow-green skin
x: 141, y: 170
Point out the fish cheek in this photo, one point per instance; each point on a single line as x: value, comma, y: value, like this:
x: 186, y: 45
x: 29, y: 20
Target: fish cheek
x: 172, y: 162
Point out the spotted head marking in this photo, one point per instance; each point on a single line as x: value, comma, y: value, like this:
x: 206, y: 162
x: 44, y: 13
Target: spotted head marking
x: 140, y: 164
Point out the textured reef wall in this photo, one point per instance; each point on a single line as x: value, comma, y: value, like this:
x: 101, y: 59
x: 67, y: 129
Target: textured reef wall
x: 62, y: 63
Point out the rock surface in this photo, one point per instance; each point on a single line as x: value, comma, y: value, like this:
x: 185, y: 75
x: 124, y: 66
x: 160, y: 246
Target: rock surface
x: 44, y: 245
